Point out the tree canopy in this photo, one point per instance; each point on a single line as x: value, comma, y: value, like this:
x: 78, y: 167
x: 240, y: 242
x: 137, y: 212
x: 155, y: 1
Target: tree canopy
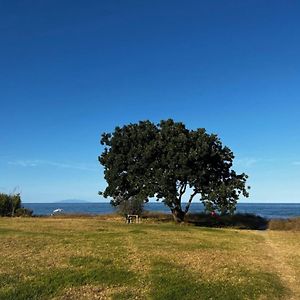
x: 166, y: 161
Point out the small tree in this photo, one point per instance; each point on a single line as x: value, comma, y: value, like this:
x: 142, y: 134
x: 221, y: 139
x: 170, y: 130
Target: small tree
x: 5, y: 205
x: 9, y: 204
x: 166, y: 161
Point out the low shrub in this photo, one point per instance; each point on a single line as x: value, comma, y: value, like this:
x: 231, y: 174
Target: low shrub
x: 23, y: 212
x: 285, y: 224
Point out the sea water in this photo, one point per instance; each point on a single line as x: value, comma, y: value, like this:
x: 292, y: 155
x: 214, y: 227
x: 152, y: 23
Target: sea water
x: 267, y: 210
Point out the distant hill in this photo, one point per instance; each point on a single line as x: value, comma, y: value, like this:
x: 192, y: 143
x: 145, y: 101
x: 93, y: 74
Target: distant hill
x: 72, y: 201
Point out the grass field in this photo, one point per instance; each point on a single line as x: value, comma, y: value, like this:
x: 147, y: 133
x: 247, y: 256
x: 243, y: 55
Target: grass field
x: 92, y: 258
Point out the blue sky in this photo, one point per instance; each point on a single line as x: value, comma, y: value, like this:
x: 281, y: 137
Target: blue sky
x: 70, y: 70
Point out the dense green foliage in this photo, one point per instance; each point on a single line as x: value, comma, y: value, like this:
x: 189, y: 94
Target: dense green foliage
x: 9, y: 204
x: 166, y: 161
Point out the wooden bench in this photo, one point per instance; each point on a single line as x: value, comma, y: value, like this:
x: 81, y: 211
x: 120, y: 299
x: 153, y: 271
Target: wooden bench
x: 131, y: 218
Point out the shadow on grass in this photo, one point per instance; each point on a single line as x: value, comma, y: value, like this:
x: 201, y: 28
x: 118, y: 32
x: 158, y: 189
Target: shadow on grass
x: 53, y: 283
x: 170, y: 281
x: 239, y: 221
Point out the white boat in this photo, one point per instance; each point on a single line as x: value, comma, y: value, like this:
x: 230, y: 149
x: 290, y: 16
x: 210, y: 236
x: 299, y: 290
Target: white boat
x: 58, y: 211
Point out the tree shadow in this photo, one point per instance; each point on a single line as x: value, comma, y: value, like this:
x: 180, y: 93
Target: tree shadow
x: 239, y: 221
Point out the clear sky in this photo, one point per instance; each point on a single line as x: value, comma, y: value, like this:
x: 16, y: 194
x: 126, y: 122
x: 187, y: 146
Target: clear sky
x: 70, y: 70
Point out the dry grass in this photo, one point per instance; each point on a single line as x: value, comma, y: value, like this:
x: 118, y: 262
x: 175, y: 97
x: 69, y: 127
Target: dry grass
x: 283, y: 248
x: 285, y: 224
x: 98, y: 258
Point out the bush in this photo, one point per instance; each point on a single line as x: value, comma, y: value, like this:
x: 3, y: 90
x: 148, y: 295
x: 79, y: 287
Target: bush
x: 23, y: 212
x: 9, y: 204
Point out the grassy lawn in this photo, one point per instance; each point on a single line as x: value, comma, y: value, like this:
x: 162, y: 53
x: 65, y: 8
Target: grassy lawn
x: 92, y: 258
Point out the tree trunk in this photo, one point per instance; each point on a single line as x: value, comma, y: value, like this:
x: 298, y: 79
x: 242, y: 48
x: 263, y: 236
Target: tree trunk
x: 178, y: 215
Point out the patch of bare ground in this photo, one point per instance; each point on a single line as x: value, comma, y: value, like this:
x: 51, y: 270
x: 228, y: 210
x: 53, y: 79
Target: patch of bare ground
x: 279, y: 252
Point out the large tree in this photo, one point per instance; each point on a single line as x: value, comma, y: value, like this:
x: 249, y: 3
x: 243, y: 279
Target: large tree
x: 167, y: 161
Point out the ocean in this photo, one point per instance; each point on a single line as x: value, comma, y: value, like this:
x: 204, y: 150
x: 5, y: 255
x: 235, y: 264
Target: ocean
x: 267, y: 210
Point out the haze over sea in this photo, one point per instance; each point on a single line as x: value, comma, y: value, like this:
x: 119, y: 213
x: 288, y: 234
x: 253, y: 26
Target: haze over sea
x: 267, y: 210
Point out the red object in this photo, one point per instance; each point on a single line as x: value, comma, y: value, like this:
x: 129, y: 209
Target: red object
x: 213, y: 214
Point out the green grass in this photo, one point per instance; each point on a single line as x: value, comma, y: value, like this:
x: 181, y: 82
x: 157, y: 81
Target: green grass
x: 92, y: 258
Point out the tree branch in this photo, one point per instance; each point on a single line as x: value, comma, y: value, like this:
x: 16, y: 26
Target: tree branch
x: 190, y: 201
x: 182, y: 191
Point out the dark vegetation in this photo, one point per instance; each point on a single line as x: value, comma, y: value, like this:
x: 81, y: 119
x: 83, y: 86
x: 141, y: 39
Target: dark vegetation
x: 10, y: 206
x: 23, y: 212
x: 240, y: 221
x: 166, y: 161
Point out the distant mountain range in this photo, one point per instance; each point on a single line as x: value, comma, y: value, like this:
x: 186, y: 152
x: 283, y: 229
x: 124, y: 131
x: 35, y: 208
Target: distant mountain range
x: 72, y: 201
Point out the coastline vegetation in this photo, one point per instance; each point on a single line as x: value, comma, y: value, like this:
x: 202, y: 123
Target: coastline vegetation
x: 11, y: 206
x: 236, y: 221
